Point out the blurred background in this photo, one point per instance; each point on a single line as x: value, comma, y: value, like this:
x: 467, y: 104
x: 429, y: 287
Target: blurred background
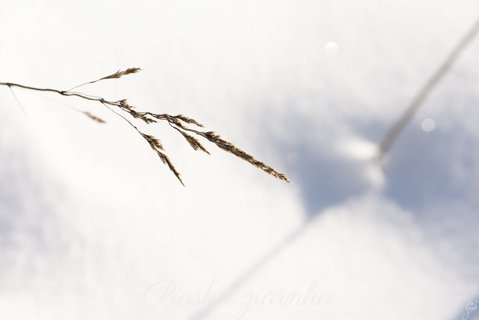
x: 94, y: 226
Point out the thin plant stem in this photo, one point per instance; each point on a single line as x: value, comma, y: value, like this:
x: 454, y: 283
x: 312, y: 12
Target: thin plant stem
x: 184, y: 125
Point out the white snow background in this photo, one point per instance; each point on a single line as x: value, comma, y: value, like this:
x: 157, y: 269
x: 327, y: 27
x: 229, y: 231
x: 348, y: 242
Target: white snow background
x: 94, y: 226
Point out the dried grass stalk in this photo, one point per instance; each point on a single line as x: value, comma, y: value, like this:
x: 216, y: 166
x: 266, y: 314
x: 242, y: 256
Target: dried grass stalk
x: 179, y: 122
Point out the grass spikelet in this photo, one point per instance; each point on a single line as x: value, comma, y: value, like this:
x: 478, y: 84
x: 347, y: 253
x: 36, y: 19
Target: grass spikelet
x: 170, y: 165
x: 121, y: 73
x: 93, y: 117
x: 154, y: 142
x: 194, y: 143
x: 188, y: 120
x: 229, y: 147
x: 116, y: 75
x: 156, y: 145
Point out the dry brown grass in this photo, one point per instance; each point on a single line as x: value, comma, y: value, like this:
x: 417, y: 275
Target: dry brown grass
x: 189, y: 128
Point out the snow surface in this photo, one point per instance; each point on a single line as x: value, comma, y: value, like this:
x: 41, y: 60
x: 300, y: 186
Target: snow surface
x: 93, y: 226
